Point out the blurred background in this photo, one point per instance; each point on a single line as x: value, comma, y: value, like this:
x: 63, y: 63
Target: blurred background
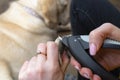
x: 4, y: 4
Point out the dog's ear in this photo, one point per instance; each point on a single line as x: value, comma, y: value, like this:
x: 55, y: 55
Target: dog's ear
x: 52, y: 10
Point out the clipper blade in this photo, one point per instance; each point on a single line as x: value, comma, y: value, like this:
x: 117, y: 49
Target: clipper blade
x: 61, y: 49
x: 60, y: 45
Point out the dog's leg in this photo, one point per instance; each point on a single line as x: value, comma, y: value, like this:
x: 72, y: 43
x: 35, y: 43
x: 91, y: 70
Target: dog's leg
x: 4, y: 71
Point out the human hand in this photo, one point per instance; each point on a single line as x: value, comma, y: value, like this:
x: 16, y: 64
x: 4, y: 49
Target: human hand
x: 108, y: 58
x: 44, y: 66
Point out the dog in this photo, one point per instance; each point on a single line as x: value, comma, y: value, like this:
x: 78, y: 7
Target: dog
x: 23, y: 26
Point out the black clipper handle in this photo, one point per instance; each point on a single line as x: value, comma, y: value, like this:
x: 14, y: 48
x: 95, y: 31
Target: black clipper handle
x: 77, y: 51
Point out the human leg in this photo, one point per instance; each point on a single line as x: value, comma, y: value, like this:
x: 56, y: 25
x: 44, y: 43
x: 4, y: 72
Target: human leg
x: 87, y: 15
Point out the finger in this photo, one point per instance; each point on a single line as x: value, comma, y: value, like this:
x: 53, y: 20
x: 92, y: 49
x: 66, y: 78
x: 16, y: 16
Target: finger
x: 22, y: 70
x: 86, y: 72
x: 30, y: 69
x: 98, y: 35
x: 41, y: 48
x: 32, y: 64
x: 41, y: 59
x: 75, y: 64
x: 24, y: 66
x: 52, y: 53
x: 96, y: 77
x: 65, y: 61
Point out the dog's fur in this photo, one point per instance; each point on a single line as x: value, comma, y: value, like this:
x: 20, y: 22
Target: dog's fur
x: 20, y: 31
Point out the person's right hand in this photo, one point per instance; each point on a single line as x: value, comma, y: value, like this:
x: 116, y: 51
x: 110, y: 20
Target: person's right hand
x: 45, y: 65
x: 108, y: 58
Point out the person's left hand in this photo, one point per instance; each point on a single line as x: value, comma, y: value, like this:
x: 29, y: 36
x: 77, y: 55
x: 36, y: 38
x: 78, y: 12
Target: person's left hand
x: 108, y: 58
x: 44, y: 66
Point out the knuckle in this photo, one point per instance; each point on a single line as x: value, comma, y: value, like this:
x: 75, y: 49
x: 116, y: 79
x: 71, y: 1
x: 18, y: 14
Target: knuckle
x: 93, y: 33
x: 39, y: 71
x: 29, y: 73
x: 108, y: 25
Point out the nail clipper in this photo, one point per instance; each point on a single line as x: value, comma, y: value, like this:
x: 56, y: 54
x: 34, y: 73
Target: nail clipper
x: 78, y: 47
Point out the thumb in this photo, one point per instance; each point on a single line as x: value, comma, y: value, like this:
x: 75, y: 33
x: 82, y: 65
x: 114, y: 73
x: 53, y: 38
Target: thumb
x: 97, y: 36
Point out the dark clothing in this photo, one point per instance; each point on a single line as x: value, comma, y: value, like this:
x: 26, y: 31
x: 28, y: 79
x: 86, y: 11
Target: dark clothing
x: 87, y: 15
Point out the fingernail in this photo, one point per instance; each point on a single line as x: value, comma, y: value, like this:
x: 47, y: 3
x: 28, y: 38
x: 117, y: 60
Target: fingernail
x: 76, y: 67
x: 86, y: 76
x: 92, y: 49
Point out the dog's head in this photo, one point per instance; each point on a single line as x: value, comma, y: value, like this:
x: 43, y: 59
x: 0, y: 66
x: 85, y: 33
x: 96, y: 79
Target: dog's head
x: 55, y: 12
x: 64, y: 7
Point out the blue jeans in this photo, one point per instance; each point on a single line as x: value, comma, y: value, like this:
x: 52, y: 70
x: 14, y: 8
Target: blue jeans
x: 87, y: 15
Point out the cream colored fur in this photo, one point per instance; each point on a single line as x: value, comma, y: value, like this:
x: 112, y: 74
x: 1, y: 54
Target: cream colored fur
x: 20, y: 32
